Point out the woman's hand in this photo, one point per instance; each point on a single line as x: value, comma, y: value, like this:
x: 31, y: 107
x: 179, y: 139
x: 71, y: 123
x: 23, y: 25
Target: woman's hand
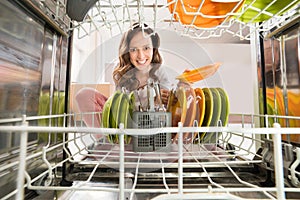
x: 164, y: 96
x: 182, y: 83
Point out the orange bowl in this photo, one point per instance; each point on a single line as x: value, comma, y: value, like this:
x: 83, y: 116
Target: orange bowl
x: 212, y: 13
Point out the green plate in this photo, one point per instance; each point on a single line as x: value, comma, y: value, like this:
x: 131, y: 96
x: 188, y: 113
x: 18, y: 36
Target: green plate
x: 114, y: 110
x: 123, y: 110
x: 200, y: 109
x: 225, y: 106
x: 106, y: 113
x: 131, y: 98
x: 209, y: 106
x: 131, y: 108
x: 105, y: 116
x: 114, y: 115
x: 278, y: 7
x: 217, y: 106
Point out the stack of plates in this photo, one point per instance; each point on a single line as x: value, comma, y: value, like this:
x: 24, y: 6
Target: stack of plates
x: 216, y: 113
x: 207, y: 107
x: 118, y: 109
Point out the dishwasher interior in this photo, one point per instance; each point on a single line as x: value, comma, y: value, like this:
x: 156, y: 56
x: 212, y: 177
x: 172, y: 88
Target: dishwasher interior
x: 47, y: 151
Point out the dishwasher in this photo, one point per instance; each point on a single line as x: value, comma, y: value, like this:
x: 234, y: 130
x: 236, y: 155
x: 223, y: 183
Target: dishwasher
x: 48, y: 152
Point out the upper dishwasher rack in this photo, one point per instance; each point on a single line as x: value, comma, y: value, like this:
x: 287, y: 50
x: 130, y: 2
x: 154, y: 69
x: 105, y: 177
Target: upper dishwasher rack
x: 241, y: 20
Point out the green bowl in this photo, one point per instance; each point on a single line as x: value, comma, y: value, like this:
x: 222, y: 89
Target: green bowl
x: 251, y: 14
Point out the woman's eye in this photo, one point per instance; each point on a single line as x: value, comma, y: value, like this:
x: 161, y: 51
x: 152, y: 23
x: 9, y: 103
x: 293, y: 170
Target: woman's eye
x: 132, y: 49
x: 147, y: 48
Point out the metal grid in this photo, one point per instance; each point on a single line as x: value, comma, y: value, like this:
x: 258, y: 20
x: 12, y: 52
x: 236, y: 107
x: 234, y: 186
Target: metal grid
x: 206, y: 165
x: 150, y: 142
x: 115, y: 17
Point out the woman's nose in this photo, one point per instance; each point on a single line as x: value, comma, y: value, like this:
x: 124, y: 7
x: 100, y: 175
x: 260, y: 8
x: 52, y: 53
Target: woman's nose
x: 141, y: 53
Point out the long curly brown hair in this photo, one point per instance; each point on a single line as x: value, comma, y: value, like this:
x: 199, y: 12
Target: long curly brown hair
x: 124, y: 73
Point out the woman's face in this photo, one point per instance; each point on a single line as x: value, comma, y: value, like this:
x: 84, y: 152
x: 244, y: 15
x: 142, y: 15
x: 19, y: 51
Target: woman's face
x: 141, y: 52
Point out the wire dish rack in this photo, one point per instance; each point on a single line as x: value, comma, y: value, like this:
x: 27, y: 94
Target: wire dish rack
x: 240, y: 20
x: 245, y: 162
x: 114, y: 17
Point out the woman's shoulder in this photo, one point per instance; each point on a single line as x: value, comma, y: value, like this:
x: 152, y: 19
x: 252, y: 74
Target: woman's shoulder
x: 160, y: 71
x: 163, y: 78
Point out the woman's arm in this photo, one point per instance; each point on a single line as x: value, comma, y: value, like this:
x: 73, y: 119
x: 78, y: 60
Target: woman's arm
x: 165, y: 84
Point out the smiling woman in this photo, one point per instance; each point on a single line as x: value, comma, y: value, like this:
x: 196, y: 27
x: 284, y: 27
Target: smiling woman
x: 139, y: 61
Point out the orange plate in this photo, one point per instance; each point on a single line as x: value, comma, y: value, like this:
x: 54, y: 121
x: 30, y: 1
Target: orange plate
x: 199, y: 74
x: 191, y: 107
x: 191, y: 112
x: 214, y: 13
x: 177, y: 105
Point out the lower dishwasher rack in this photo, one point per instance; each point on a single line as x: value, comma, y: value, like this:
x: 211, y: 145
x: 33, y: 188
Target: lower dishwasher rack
x: 239, y: 164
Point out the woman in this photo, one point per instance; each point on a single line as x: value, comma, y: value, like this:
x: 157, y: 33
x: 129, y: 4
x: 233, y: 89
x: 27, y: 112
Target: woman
x: 139, y: 61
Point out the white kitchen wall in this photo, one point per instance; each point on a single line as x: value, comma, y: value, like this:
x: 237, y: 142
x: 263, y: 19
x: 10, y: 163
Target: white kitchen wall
x: 86, y: 59
x: 94, y: 58
x: 236, y: 73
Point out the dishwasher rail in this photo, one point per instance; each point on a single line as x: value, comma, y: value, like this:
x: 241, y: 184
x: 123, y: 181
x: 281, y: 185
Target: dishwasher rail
x: 235, y: 166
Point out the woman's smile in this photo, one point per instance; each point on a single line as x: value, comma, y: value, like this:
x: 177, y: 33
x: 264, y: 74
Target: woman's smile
x: 142, y: 62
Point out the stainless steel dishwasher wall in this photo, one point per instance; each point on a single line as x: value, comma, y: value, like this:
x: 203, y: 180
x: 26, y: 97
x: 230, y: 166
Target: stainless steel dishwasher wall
x: 279, y: 72
x: 33, y: 68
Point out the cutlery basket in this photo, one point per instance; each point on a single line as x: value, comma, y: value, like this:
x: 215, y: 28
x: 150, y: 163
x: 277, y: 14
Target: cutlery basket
x: 149, y: 142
